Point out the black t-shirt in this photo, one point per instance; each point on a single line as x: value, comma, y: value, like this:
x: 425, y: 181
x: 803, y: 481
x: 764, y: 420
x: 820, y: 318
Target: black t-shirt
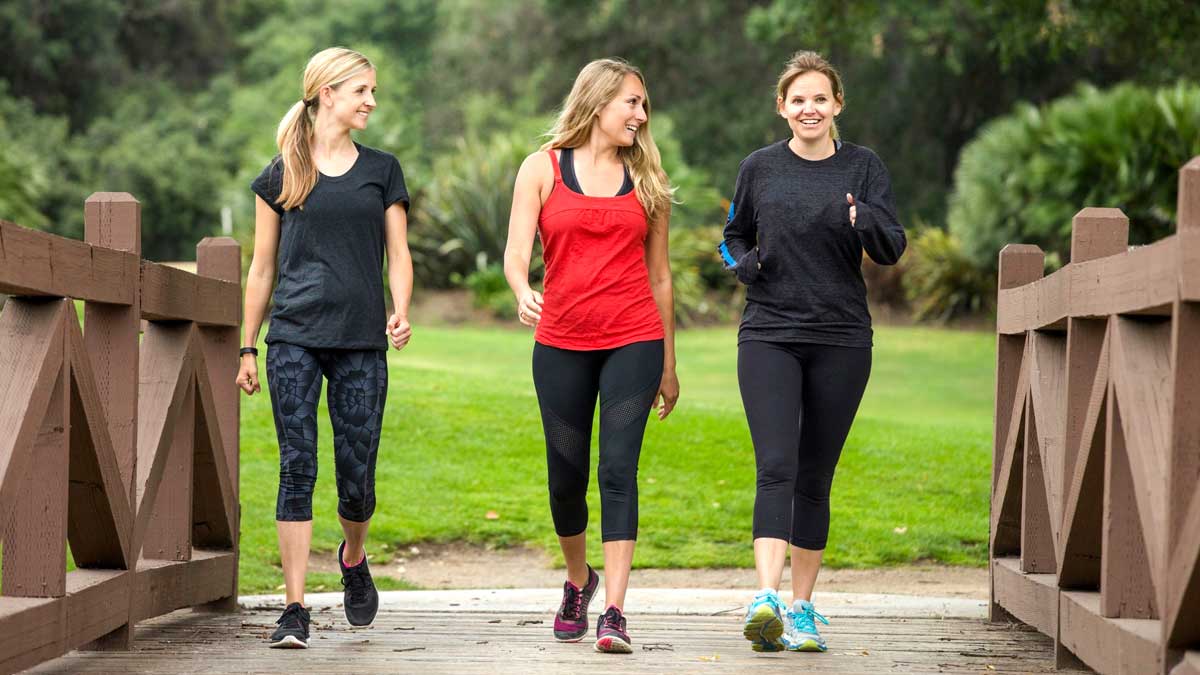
x: 789, y: 239
x: 330, y: 289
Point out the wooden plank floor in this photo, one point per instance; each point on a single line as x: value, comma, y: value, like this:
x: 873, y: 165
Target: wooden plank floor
x: 479, y: 642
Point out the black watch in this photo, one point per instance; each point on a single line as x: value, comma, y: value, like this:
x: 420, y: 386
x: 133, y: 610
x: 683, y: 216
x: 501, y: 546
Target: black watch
x: 248, y: 350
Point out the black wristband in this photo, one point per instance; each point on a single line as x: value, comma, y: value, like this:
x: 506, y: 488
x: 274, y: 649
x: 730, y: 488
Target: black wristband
x: 248, y: 350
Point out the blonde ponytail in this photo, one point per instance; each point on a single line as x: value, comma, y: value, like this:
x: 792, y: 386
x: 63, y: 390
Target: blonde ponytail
x: 328, y: 68
x: 294, y: 139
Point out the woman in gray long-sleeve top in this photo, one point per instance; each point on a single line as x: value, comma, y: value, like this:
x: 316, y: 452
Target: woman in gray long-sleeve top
x: 804, y: 210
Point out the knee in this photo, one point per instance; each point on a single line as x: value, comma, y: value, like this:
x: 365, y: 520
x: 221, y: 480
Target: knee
x: 357, y: 511
x: 775, y: 473
x: 297, y: 480
x: 618, y: 476
x: 356, y: 499
x: 814, y: 488
x: 294, y: 501
x: 567, y: 492
x: 567, y: 481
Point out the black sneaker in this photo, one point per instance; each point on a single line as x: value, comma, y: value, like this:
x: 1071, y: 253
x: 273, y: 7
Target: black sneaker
x: 361, y: 600
x: 293, y: 628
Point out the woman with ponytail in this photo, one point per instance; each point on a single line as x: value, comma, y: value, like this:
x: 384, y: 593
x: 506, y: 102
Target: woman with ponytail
x: 597, y: 195
x: 803, y: 213
x: 327, y: 210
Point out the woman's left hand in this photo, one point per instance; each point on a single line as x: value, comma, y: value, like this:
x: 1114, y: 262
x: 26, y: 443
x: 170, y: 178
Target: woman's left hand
x: 668, y: 394
x: 399, y: 331
x: 853, y: 209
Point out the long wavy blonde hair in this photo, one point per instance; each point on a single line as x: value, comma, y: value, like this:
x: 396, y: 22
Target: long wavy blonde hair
x: 328, y: 68
x: 807, y: 62
x: 596, y: 85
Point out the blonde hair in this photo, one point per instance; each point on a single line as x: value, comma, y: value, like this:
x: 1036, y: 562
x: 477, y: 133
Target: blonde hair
x: 806, y: 62
x: 328, y: 68
x: 598, y: 83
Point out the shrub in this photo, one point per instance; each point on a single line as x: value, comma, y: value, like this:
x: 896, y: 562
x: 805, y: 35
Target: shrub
x: 1025, y: 175
x: 490, y: 290
x: 459, y: 222
x: 941, y: 281
x: 703, y: 288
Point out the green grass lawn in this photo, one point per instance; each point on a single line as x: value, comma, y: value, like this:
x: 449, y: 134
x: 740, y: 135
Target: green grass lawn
x: 462, y: 437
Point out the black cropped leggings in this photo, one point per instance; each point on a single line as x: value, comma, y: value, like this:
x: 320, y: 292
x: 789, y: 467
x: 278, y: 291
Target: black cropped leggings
x: 567, y: 383
x: 800, y: 400
x: 357, y: 393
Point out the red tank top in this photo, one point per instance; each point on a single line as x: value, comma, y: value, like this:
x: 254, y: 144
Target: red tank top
x: 597, y: 287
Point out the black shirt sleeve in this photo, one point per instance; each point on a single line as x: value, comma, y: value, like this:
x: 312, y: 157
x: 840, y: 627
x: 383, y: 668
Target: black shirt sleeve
x: 739, y: 250
x: 269, y: 184
x: 396, y: 190
x: 878, y: 228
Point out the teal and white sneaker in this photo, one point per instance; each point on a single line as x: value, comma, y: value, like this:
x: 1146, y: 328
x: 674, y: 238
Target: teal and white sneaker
x: 764, y: 622
x: 800, y: 634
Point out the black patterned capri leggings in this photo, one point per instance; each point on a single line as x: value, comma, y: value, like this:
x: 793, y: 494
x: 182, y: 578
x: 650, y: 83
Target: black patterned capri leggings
x: 357, y: 392
x: 567, y: 383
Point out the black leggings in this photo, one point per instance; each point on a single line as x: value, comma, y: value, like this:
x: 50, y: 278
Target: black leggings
x: 567, y: 382
x: 357, y: 392
x: 800, y: 400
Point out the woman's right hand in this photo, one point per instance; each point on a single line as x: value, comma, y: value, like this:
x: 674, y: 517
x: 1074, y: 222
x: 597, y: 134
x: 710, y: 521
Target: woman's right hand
x: 247, y: 377
x: 529, y: 308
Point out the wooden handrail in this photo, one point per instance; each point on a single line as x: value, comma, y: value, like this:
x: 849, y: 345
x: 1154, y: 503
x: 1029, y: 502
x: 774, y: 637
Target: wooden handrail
x: 1095, y: 523
x: 121, y: 438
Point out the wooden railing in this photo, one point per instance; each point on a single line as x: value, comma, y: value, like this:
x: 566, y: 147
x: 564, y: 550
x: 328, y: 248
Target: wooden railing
x: 1095, y: 512
x: 125, y: 448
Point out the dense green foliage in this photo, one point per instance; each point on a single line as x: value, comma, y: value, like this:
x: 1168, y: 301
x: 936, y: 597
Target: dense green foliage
x: 1028, y: 173
x: 460, y: 224
x: 941, y: 281
x: 462, y: 420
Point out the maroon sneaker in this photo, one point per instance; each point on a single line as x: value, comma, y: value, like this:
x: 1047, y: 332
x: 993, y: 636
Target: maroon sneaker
x: 570, y: 623
x: 610, y: 633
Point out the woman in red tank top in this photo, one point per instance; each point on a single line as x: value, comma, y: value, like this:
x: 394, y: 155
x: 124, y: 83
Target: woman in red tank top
x: 598, y: 197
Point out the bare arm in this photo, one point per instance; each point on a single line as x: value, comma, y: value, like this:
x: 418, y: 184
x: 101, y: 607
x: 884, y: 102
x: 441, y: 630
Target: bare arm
x: 658, y: 262
x: 400, y: 274
x: 259, y: 283
x: 528, y: 195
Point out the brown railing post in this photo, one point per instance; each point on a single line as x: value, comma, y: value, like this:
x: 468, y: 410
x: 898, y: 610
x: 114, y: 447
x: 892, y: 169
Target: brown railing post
x: 1182, y: 607
x: 111, y: 337
x: 220, y: 258
x: 1019, y: 264
x: 1095, y: 233
x: 114, y: 220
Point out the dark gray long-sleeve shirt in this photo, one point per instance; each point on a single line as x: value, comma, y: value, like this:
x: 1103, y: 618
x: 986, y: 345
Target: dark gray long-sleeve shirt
x: 789, y: 239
